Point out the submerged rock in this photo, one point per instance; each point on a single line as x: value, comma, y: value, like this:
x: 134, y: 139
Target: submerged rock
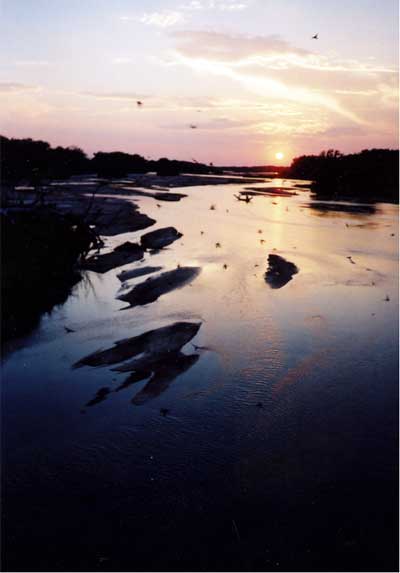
x: 117, y: 216
x: 168, y: 341
x: 169, y: 196
x: 99, y: 397
x: 160, y: 238
x: 269, y: 191
x: 121, y: 255
x: 166, y: 373
x: 163, y: 195
x: 154, y: 342
x: 280, y: 271
x: 136, y: 376
x: 341, y: 207
x: 151, y: 289
x: 127, y: 247
x: 133, y: 273
x: 146, y: 362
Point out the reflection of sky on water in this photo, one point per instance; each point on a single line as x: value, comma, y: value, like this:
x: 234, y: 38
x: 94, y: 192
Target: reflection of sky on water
x: 241, y: 316
x: 319, y: 354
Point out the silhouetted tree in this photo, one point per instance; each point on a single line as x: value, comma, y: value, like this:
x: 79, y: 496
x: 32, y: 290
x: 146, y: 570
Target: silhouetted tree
x: 118, y: 164
x: 370, y: 174
x: 32, y: 161
x: 65, y: 162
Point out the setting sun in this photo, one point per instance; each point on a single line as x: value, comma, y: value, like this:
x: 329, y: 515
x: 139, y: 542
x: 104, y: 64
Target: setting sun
x: 279, y: 155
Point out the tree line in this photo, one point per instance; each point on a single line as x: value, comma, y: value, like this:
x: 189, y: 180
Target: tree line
x: 370, y: 174
x: 33, y: 160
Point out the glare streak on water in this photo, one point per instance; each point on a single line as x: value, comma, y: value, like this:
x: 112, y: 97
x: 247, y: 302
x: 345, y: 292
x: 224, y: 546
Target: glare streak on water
x: 296, y: 386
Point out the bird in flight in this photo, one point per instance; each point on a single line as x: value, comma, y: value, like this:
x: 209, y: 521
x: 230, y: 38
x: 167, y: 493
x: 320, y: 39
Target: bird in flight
x: 315, y: 37
x: 139, y: 103
x: 193, y: 126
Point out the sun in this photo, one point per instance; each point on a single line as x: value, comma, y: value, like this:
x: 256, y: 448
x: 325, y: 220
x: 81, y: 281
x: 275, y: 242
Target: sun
x: 279, y: 155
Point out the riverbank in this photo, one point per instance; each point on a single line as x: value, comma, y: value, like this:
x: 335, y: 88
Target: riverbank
x: 48, y: 231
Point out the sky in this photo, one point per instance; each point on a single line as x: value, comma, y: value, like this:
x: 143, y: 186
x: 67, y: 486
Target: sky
x: 246, y: 73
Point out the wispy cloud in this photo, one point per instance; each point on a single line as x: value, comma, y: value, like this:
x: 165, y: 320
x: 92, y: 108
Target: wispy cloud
x: 272, y: 68
x: 389, y: 93
x: 39, y: 63
x: 268, y: 52
x: 222, y: 5
x: 298, y: 126
x: 347, y: 92
x: 347, y: 130
x: 114, y: 96
x: 162, y: 19
x: 232, y: 48
x: 217, y: 124
x: 121, y: 60
x: 271, y: 88
x: 15, y: 87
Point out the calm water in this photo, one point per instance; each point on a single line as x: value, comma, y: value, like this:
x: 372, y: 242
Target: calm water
x: 306, y: 482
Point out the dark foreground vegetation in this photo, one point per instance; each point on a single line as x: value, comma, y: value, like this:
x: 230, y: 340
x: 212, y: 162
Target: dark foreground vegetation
x: 372, y: 175
x: 40, y: 248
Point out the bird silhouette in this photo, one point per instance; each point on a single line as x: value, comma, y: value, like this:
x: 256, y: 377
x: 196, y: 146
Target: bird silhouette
x: 315, y: 37
x: 192, y: 126
x: 247, y: 198
x: 139, y: 103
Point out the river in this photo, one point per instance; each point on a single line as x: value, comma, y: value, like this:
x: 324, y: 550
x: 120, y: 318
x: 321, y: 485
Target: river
x: 276, y: 449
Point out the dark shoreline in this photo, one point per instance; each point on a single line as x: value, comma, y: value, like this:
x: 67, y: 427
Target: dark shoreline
x: 45, y: 241
x: 42, y: 246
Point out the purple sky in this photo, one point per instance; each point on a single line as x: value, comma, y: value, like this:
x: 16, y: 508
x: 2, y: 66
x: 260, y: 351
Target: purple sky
x: 247, y: 73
